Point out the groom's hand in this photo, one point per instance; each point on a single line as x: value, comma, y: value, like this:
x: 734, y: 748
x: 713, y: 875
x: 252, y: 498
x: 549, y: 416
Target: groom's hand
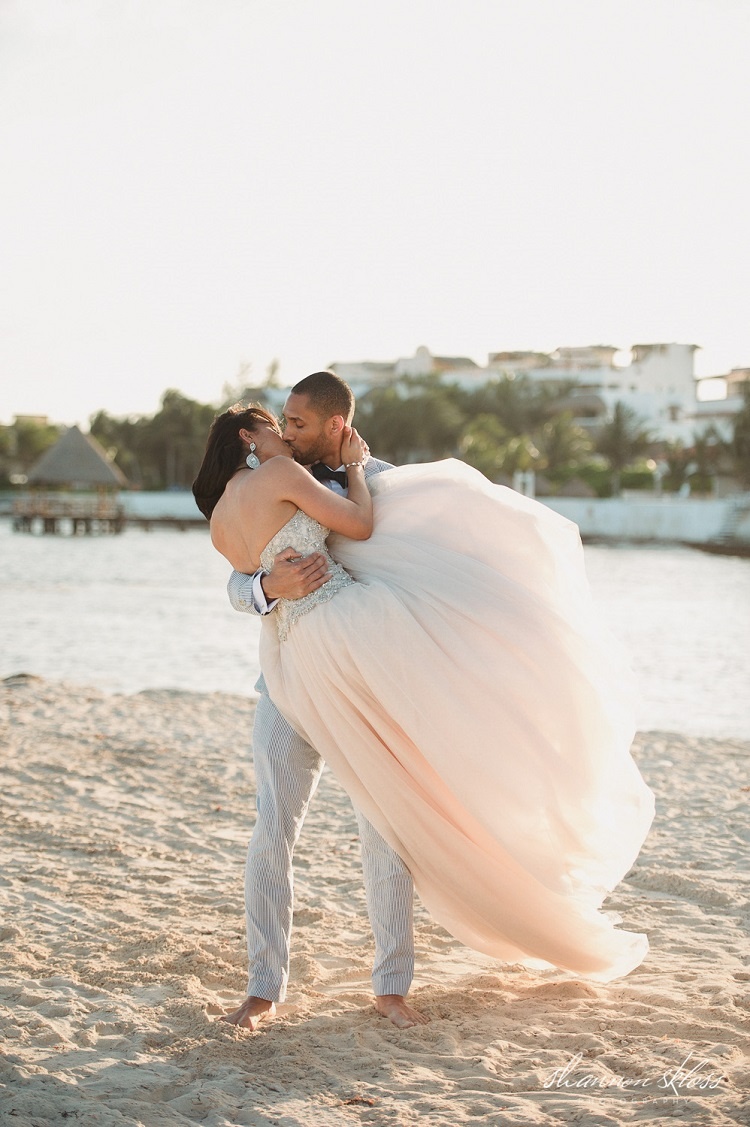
x: 293, y: 576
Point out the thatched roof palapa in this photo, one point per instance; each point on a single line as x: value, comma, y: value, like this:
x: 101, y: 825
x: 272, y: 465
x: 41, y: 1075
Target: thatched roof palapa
x: 78, y: 461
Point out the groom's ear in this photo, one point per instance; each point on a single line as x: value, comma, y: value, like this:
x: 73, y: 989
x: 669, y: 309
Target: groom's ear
x: 336, y: 424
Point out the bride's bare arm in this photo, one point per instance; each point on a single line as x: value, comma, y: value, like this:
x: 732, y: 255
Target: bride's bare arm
x: 352, y: 515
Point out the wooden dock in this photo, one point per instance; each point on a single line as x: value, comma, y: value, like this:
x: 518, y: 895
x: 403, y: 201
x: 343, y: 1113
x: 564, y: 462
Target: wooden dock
x: 53, y: 515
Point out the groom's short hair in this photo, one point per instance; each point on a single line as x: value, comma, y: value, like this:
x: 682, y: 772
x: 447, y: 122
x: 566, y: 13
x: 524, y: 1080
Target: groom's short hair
x: 327, y: 394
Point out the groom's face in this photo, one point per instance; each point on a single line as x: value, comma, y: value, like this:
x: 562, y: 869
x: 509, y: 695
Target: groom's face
x: 310, y: 437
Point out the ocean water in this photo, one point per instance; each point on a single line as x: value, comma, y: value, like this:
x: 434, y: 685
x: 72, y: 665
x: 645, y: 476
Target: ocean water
x: 149, y: 610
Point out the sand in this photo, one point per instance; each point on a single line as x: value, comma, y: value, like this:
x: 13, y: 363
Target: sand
x: 124, y: 828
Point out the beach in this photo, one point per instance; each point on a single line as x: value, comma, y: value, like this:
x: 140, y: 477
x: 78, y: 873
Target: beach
x: 126, y: 819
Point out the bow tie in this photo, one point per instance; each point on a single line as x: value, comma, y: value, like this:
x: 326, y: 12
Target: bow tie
x: 324, y: 473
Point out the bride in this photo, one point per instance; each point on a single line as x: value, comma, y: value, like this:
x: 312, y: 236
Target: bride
x: 454, y: 674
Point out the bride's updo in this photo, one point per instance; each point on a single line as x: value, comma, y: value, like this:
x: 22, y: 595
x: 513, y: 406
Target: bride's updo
x: 225, y: 452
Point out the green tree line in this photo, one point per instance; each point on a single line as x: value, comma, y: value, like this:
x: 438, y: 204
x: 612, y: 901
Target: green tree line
x: 499, y: 427
x: 159, y: 451
x: 513, y: 424
x: 21, y: 444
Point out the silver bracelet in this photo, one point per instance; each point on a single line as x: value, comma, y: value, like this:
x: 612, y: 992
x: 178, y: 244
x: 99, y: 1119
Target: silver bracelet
x: 348, y: 465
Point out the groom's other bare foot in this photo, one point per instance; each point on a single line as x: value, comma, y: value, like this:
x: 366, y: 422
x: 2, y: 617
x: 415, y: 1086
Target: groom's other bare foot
x: 396, y: 1009
x: 251, y: 1013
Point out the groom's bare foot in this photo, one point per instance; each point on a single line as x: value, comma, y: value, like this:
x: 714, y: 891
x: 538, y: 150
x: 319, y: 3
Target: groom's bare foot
x: 251, y: 1013
x: 397, y: 1010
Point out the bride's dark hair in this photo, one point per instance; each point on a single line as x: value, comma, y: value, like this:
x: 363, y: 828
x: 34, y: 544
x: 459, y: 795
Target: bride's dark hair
x: 224, y: 452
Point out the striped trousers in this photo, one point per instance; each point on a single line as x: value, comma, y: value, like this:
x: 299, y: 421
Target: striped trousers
x: 287, y: 772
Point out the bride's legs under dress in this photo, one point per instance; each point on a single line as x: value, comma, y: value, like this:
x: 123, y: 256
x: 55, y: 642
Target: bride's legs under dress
x: 287, y: 773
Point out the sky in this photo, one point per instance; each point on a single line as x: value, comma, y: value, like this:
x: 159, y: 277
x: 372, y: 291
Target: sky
x: 189, y: 186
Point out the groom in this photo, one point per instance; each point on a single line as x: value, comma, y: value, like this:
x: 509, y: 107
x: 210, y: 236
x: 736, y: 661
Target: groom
x: 287, y: 769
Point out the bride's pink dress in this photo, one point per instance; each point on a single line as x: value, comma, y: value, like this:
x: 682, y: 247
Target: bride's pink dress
x: 466, y: 695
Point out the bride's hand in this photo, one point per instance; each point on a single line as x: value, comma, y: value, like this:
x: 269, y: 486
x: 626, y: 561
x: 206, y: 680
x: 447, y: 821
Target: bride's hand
x: 353, y: 448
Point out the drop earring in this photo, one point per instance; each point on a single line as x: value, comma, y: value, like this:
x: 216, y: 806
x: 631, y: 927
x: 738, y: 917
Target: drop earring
x: 252, y: 460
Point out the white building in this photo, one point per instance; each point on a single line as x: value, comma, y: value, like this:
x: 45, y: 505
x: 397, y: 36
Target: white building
x: 366, y: 374
x: 658, y: 384
x: 457, y: 369
x: 720, y: 413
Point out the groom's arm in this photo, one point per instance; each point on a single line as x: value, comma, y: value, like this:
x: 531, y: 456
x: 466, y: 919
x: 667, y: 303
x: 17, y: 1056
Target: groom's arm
x: 246, y: 593
x: 291, y: 577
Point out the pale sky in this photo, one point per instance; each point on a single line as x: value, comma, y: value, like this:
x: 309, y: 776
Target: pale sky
x: 190, y: 184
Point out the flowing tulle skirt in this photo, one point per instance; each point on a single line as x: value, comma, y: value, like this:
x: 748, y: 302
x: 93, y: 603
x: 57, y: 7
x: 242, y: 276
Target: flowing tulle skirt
x: 468, y: 698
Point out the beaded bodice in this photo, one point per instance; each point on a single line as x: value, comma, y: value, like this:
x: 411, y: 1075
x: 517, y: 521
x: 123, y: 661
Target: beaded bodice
x: 306, y: 536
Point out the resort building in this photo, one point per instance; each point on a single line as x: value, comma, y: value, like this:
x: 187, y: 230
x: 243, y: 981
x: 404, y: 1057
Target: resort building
x: 366, y: 374
x: 658, y: 382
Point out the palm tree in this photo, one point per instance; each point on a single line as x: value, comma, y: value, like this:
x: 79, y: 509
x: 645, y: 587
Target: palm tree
x: 519, y: 454
x: 415, y: 418
x: 677, y: 460
x: 563, y: 444
x: 517, y: 404
x: 482, y: 445
x: 621, y: 440
x: 740, y: 444
x: 706, y: 451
